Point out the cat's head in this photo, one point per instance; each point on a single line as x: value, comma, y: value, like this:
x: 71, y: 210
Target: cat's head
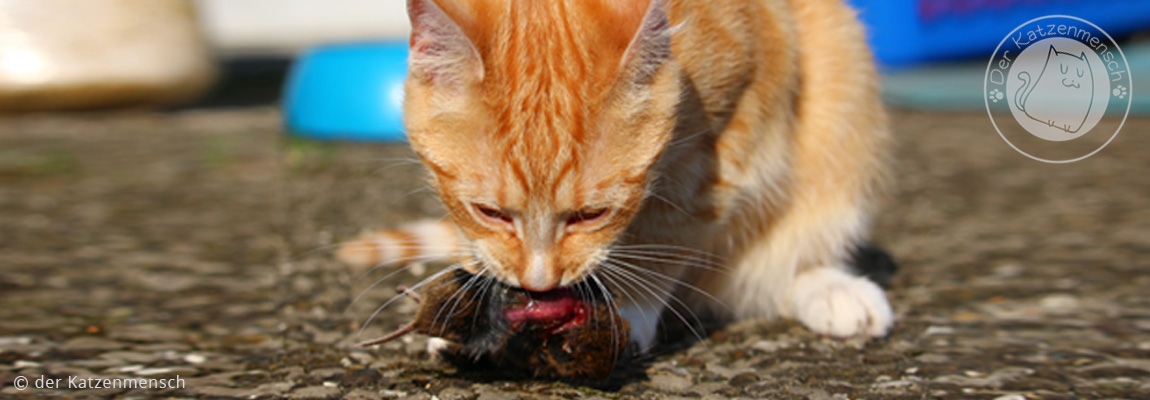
x: 540, y: 122
x: 1075, y: 71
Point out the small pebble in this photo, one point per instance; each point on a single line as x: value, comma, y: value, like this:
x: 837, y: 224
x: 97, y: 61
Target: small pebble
x: 131, y: 357
x: 361, y: 394
x: 19, y: 364
x: 743, y: 379
x: 15, y: 341
x: 314, y: 392
x: 1011, y: 397
x: 274, y: 389
x: 1008, y: 270
x: 194, y: 358
x: 938, y: 330
x: 87, y: 343
x: 1059, y: 302
x: 219, y: 391
x: 769, y: 346
x: 361, y: 357
x: 393, y: 394
x: 669, y: 383
x: 326, y: 373
x: 454, y: 393
x: 899, y: 384
x: 130, y: 368
x: 153, y: 371
x: 932, y: 358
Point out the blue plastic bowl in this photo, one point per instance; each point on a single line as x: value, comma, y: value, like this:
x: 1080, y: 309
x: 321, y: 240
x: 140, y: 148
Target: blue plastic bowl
x: 350, y: 92
x: 906, y: 33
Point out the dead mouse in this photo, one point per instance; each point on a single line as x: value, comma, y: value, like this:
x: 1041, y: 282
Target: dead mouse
x: 558, y: 334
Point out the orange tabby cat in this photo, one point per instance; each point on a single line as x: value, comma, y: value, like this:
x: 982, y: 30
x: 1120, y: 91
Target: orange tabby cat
x: 729, y: 150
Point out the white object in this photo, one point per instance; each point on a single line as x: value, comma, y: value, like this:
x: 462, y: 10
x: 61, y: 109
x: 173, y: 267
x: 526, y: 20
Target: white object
x: 245, y: 27
x: 69, y: 54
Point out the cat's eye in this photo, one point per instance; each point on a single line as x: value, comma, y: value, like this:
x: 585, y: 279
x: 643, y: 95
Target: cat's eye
x: 493, y: 214
x: 586, y: 216
x: 1063, y: 68
x: 1079, y: 72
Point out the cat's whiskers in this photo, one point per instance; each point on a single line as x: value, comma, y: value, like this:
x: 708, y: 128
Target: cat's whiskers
x: 479, y: 294
x: 395, y: 163
x: 685, y: 138
x: 408, y: 264
x: 680, y: 260
x: 418, y: 285
x: 421, y: 189
x: 398, y: 160
x: 599, y: 259
x: 672, y: 281
x: 669, y: 247
x: 379, y: 281
x: 655, y: 195
x: 614, y: 327
x: 615, y: 282
x: 658, y: 293
x: 461, y: 292
x: 645, y: 290
x: 412, y: 261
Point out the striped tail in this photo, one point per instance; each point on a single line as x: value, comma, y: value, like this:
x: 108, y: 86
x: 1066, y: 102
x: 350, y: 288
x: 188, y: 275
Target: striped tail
x: 424, y: 241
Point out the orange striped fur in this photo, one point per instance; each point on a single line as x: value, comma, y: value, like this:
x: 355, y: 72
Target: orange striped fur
x: 569, y: 139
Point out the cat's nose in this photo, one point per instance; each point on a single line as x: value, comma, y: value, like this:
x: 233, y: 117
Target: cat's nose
x: 537, y: 276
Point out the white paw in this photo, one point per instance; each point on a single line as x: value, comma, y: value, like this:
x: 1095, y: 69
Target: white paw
x: 644, y: 323
x: 833, y: 302
x: 437, y: 347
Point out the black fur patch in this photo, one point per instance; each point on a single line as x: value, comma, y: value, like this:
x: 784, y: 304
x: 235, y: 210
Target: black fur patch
x: 874, y: 263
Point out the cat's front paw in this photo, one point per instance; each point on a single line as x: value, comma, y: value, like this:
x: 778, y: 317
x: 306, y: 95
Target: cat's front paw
x: 833, y: 302
x: 644, y: 322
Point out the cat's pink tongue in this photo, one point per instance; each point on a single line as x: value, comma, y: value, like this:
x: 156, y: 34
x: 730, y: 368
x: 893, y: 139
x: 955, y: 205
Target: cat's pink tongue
x: 557, y: 310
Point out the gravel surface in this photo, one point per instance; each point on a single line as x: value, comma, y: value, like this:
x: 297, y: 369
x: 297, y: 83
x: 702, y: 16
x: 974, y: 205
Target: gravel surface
x: 197, y: 244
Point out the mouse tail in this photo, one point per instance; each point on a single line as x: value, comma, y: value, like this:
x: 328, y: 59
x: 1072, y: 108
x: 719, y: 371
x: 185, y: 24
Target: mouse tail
x: 403, y: 330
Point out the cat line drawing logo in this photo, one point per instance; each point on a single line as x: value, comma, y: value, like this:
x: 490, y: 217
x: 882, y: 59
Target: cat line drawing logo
x: 1050, y: 81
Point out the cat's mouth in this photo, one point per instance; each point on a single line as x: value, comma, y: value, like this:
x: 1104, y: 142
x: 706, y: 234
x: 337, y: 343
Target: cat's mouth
x: 552, y: 311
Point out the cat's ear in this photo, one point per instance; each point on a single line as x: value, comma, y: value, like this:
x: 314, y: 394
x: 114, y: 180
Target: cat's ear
x: 440, y: 51
x: 650, y: 49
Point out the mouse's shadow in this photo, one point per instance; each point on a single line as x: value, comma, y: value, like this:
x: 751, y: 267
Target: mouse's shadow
x: 629, y: 367
x: 484, y: 370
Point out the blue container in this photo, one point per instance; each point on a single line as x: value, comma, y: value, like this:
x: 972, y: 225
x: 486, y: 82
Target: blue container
x: 348, y: 92
x: 908, y: 32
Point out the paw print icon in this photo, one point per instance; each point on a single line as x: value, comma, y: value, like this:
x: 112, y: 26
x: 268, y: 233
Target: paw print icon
x: 995, y: 95
x: 1120, y: 91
